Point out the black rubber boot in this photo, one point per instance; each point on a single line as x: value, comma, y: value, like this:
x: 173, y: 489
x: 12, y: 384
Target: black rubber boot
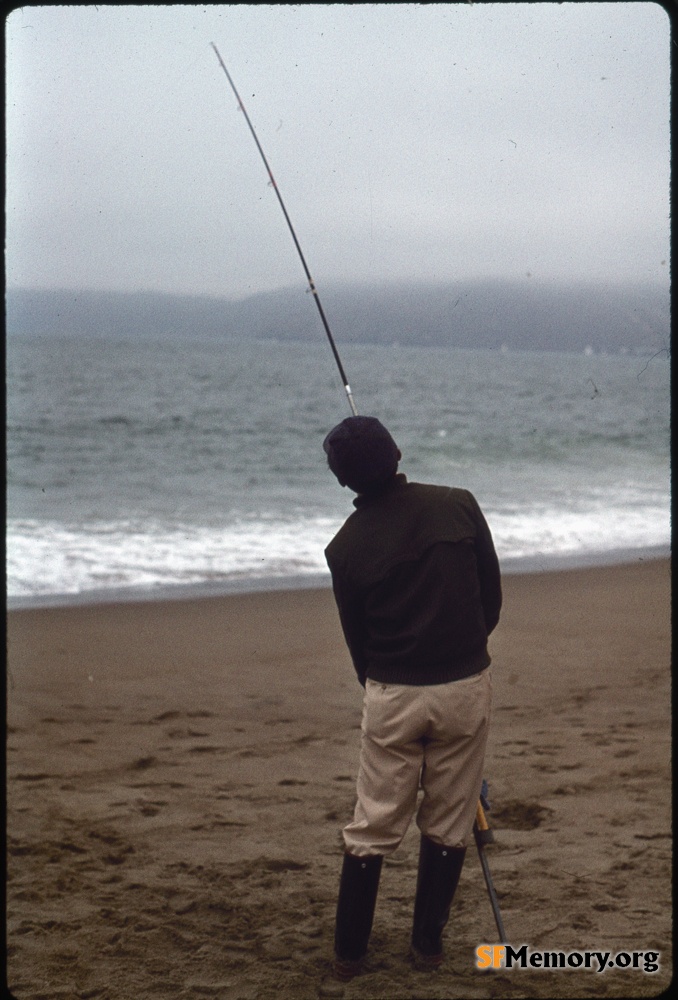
x: 355, y: 910
x: 437, y: 880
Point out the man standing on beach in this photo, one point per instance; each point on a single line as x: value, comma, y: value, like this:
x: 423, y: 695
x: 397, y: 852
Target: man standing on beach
x: 417, y: 585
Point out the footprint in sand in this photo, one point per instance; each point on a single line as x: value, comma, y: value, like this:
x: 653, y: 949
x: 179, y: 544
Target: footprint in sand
x: 518, y: 815
x: 175, y: 714
x: 142, y: 763
x: 182, y: 734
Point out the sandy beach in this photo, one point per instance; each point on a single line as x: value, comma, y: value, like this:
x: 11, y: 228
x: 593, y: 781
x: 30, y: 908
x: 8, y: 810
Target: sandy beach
x: 179, y: 772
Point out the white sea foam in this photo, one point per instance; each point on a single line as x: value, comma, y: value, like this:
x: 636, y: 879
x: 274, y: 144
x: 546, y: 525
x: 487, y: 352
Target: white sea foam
x: 578, y: 533
x: 53, y: 559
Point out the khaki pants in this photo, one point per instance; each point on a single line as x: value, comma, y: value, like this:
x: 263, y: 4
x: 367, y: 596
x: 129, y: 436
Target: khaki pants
x: 433, y: 737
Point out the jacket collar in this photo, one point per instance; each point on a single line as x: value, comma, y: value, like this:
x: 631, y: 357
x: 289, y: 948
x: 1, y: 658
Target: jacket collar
x: 399, y: 480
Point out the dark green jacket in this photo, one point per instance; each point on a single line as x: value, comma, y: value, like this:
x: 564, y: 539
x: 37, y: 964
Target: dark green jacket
x: 417, y: 584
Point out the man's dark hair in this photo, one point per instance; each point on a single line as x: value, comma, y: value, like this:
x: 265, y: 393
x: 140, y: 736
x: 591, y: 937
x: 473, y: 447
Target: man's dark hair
x: 362, y: 454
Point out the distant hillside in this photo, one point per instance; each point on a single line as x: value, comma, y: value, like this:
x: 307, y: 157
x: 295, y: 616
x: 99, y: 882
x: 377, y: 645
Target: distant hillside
x: 470, y: 314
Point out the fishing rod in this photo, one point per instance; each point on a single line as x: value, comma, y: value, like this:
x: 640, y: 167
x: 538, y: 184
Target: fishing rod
x: 311, y: 283
x: 483, y: 835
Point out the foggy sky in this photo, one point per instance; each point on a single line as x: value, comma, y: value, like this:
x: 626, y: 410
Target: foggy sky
x: 440, y: 142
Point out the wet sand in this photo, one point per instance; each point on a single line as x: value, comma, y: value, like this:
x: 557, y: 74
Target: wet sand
x: 179, y: 771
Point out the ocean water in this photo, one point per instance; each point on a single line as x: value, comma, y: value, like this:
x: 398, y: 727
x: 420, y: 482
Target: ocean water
x: 134, y: 467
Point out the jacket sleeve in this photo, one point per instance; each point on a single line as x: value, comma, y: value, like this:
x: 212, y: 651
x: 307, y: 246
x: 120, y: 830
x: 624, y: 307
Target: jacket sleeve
x: 351, y: 618
x: 488, y: 570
